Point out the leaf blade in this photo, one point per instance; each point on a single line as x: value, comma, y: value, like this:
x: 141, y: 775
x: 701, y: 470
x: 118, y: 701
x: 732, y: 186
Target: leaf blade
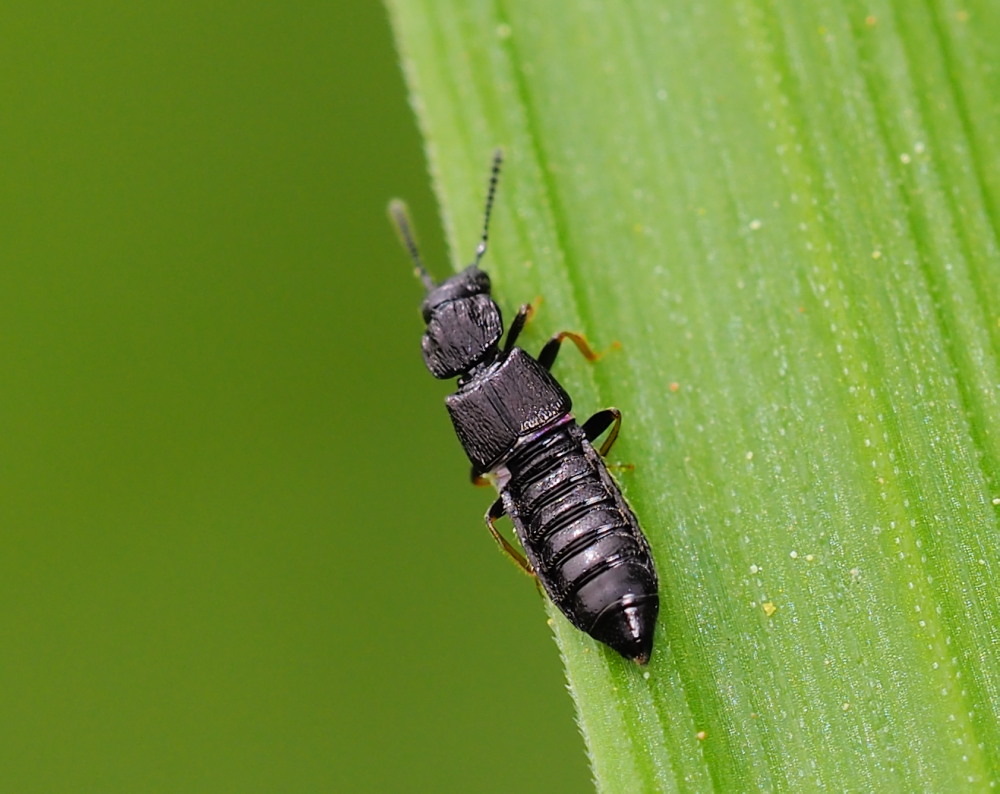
x: 815, y: 453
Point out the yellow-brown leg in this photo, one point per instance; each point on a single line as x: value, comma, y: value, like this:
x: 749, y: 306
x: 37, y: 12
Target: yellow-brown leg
x: 551, y: 349
x: 601, y: 421
x: 495, y: 512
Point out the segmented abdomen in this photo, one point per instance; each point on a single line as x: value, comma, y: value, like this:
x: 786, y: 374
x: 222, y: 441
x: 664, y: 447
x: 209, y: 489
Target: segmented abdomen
x: 582, y: 538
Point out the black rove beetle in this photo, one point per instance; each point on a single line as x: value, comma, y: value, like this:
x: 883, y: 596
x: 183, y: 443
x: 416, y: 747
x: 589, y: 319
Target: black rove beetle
x: 581, y: 540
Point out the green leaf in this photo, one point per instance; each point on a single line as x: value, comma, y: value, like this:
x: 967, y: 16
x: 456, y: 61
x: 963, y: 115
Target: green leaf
x: 786, y: 212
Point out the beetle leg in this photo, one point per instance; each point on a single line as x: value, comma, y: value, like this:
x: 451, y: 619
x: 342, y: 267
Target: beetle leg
x: 548, y: 355
x: 523, y: 315
x: 601, y: 421
x: 477, y: 479
x: 495, y: 512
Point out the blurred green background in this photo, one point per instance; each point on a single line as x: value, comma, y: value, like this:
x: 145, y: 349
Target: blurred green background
x: 239, y: 550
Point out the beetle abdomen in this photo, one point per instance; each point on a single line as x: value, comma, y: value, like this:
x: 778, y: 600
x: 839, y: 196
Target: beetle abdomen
x: 582, y: 539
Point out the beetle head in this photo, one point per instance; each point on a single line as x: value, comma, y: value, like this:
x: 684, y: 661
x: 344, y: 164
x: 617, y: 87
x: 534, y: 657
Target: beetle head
x: 464, y: 324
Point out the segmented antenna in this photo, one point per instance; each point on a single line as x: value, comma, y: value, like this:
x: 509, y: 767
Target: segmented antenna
x: 401, y: 219
x: 494, y: 177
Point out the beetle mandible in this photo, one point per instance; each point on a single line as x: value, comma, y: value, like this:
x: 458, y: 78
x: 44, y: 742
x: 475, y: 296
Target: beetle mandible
x: 581, y: 540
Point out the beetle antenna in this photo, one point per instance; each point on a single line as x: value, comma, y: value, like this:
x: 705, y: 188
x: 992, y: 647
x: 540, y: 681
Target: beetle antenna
x: 401, y: 220
x: 494, y: 177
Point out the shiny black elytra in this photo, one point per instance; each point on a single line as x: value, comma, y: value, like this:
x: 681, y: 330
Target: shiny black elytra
x: 580, y: 538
